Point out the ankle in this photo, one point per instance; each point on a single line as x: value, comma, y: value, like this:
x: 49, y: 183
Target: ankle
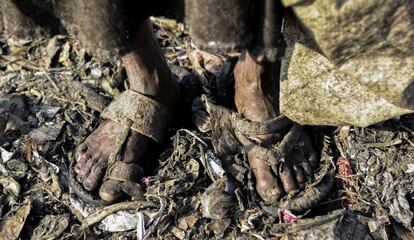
x: 147, y: 70
x: 257, y: 89
x: 151, y: 77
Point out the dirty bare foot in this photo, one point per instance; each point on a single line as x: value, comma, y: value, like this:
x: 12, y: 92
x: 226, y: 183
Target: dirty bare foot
x: 148, y: 73
x: 257, y: 98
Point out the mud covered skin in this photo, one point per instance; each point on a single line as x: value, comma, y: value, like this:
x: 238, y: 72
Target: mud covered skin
x: 148, y: 73
x: 257, y: 98
x: 92, y: 157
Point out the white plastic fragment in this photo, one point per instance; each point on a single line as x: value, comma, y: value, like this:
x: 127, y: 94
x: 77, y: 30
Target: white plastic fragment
x: 410, y: 168
x: 48, y: 111
x: 96, y: 73
x: 38, y: 159
x: 5, y: 155
x: 80, y: 206
x: 120, y: 221
x: 11, y: 185
x: 140, y: 226
x: 182, y: 56
x: 210, y: 162
x: 214, y: 164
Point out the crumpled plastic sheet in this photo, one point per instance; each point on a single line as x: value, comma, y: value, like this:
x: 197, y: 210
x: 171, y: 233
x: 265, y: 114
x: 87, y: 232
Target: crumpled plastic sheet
x: 50, y: 227
x: 339, y: 224
x: 400, y: 209
x: 5, y: 155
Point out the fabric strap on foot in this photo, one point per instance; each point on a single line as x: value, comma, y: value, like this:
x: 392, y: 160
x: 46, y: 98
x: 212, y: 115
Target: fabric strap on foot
x: 121, y: 171
x: 237, y: 121
x: 148, y: 116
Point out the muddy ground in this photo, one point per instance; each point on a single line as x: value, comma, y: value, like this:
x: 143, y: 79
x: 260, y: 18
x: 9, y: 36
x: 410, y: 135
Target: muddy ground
x: 51, y: 94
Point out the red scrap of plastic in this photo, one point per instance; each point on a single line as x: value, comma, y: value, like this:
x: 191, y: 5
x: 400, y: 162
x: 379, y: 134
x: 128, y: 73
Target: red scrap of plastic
x: 345, y: 171
x: 345, y: 177
x: 287, y: 216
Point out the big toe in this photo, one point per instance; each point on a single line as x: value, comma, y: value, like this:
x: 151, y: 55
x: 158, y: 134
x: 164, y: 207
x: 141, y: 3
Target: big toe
x: 269, y: 189
x: 110, y: 191
x: 113, y: 190
x: 266, y: 183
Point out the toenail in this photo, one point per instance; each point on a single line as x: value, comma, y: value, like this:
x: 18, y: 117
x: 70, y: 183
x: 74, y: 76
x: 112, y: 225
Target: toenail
x: 88, y: 186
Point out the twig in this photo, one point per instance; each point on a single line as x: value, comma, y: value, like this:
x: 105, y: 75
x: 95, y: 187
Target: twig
x: 52, y: 81
x: 159, y: 215
x: 100, y: 214
x: 193, y: 135
x: 382, y: 145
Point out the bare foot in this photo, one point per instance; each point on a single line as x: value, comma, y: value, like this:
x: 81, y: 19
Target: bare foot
x: 92, y: 157
x: 148, y: 73
x: 257, y: 98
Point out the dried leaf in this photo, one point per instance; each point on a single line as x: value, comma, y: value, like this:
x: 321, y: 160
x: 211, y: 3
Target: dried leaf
x: 51, y: 227
x: 46, y: 132
x: 11, y: 185
x: 12, y: 226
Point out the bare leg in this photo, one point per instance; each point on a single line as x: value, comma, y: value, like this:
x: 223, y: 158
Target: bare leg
x: 148, y: 73
x: 257, y: 98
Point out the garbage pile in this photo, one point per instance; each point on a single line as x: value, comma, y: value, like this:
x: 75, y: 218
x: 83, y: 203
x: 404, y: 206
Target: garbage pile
x: 51, y: 94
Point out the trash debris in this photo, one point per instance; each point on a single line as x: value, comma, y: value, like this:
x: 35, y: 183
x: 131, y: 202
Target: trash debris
x: 11, y: 187
x: 12, y: 226
x: 339, y: 224
x: 214, y: 165
x: 210, y: 161
x: 50, y: 227
x: 381, y: 181
x: 47, y: 132
x: 47, y: 112
x: 217, y: 199
x: 345, y: 175
x: 251, y: 216
x: 140, y: 226
x: 5, y: 155
x: 287, y: 216
x: 120, y: 221
x: 52, y: 92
